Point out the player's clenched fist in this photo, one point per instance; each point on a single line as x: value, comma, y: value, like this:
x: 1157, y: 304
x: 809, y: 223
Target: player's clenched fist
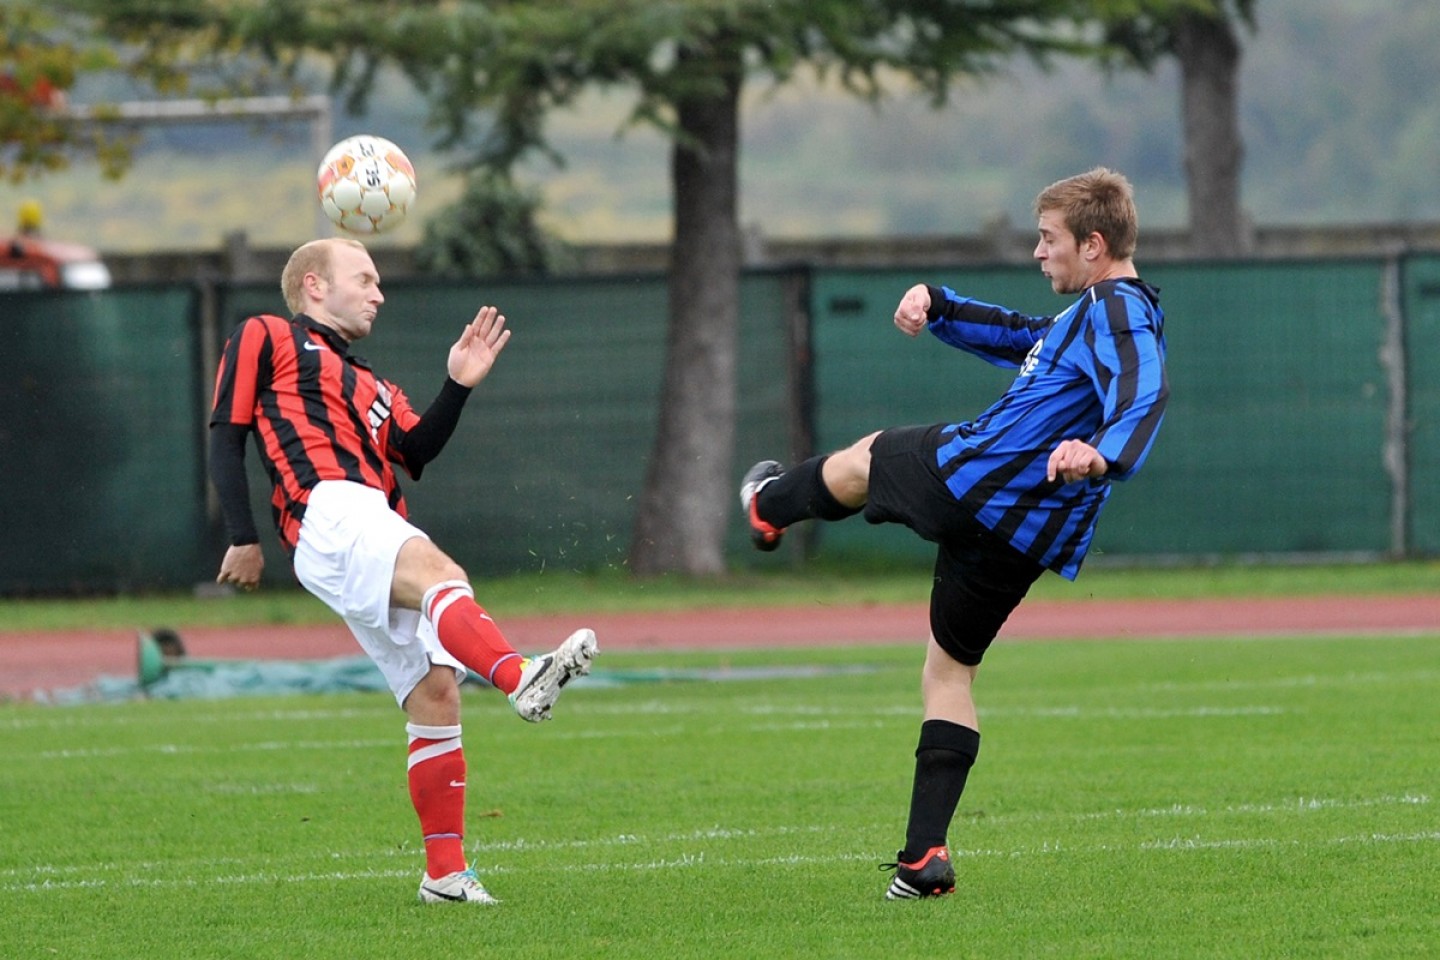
x: 914, y: 310
x: 1075, y: 460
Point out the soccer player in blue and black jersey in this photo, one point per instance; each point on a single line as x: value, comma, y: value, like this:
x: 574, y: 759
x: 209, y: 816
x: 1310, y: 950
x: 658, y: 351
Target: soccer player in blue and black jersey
x: 1010, y: 494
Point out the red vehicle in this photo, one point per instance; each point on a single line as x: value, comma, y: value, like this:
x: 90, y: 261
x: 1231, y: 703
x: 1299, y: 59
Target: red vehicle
x: 28, y: 262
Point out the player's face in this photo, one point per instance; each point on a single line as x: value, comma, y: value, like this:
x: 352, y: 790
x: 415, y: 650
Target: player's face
x: 1060, y: 255
x: 352, y: 296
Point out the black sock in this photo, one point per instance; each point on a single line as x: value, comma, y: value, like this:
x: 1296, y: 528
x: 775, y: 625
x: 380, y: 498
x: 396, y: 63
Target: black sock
x: 942, y: 762
x: 800, y: 494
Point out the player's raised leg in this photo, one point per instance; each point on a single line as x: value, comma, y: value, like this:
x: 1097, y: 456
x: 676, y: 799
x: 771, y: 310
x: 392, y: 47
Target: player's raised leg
x: 830, y: 487
x: 545, y: 676
x: 430, y: 581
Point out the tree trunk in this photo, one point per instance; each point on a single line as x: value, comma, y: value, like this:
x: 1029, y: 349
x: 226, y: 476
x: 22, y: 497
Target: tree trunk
x: 1209, y: 56
x: 680, y: 520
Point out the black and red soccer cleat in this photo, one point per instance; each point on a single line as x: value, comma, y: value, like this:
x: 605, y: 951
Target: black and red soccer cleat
x: 930, y: 876
x: 763, y: 535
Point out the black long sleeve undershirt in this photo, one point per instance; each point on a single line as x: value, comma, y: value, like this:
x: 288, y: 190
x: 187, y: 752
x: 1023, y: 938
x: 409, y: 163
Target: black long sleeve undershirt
x: 227, y: 472
x: 417, y: 447
x: 423, y: 442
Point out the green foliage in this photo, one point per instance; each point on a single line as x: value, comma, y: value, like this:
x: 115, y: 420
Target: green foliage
x: 1133, y: 800
x: 491, y: 230
x: 1145, y: 36
x: 46, y: 49
x: 494, y: 72
x: 39, y: 64
x: 510, y: 64
x: 818, y: 162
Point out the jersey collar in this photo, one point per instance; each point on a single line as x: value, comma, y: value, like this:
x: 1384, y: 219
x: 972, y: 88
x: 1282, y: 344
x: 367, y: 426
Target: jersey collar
x: 332, y: 338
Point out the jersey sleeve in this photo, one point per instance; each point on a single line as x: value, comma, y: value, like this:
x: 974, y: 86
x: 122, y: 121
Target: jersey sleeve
x: 1127, y: 363
x: 1001, y: 336
x: 245, y: 365
x: 420, y: 439
x: 403, y: 420
x: 232, y: 489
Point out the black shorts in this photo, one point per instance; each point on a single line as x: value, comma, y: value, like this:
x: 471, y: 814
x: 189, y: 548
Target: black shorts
x: 979, y: 578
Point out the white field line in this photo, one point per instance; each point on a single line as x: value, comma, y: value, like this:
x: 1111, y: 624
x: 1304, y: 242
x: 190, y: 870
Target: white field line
x: 708, y: 861
x: 1301, y: 681
x: 40, y: 878
x: 61, y: 719
x: 817, y: 718
x: 187, y: 749
x: 64, y: 718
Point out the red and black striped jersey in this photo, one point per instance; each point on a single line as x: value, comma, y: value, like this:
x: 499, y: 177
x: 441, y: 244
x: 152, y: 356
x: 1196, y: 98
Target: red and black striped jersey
x: 318, y: 413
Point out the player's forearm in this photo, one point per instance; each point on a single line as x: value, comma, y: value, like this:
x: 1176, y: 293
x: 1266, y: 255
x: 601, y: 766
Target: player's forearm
x: 424, y: 441
x: 227, y: 473
x: 994, y: 333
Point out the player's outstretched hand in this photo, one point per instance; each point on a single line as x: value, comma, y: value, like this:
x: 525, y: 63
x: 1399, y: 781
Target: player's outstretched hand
x: 1075, y: 460
x: 480, y: 343
x: 913, y: 313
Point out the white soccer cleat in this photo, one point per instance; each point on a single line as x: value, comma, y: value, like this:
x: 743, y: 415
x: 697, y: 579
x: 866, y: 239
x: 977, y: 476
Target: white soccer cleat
x: 459, y: 887
x: 543, y: 677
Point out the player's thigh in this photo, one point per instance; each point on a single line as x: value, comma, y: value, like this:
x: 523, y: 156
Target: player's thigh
x: 905, y: 485
x: 979, y: 581
x: 847, y: 472
x: 405, y: 649
x: 346, y: 553
x: 420, y: 565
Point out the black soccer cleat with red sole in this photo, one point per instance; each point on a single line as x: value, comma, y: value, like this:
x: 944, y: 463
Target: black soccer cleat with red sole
x: 763, y: 535
x: 930, y: 876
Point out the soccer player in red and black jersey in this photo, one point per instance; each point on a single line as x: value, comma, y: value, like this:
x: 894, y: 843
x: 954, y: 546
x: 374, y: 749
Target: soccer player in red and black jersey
x: 330, y: 433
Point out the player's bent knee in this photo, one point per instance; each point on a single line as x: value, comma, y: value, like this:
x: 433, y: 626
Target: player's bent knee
x: 436, y: 698
x: 847, y: 473
x: 419, y: 566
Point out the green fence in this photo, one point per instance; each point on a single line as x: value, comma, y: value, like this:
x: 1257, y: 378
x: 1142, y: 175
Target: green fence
x: 1305, y: 399
x: 1275, y: 433
x: 1420, y: 299
x: 548, y: 461
x: 100, y: 452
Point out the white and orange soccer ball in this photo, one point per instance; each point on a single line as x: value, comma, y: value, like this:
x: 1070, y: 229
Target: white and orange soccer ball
x: 366, y: 184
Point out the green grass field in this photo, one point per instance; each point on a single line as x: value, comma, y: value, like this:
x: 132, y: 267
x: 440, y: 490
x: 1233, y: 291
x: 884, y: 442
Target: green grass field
x: 1247, y: 798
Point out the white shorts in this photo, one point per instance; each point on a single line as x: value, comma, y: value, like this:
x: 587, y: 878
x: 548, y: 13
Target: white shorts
x: 346, y: 554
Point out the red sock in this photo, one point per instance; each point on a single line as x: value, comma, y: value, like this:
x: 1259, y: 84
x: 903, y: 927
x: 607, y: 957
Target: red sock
x: 466, y: 630
x: 437, y: 789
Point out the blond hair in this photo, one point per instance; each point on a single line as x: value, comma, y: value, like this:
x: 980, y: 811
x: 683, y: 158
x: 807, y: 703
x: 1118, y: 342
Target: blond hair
x: 1097, y: 201
x: 313, y: 257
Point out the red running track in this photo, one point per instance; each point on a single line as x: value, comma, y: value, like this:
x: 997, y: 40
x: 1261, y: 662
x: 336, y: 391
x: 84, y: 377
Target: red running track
x: 43, y: 660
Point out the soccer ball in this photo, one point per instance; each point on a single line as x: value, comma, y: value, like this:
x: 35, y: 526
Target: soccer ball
x: 366, y: 184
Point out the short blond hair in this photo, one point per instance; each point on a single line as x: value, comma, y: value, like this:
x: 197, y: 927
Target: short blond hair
x: 313, y: 257
x: 1097, y: 201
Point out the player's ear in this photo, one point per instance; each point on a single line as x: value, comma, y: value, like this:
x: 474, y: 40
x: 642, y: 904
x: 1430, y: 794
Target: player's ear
x: 1093, y: 247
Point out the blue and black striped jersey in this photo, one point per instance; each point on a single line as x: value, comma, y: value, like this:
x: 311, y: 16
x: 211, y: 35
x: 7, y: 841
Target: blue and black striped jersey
x: 1095, y: 373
